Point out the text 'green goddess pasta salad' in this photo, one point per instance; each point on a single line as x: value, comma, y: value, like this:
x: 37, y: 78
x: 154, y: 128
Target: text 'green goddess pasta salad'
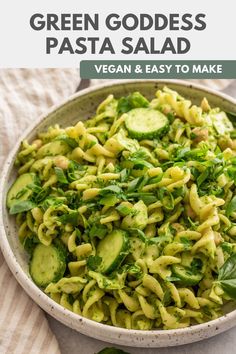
x: 129, y: 218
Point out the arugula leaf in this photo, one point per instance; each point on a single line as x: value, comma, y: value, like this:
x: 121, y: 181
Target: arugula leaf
x: 139, y: 158
x: 134, y: 184
x: 71, y: 218
x: 231, y: 171
x: 93, y: 262
x: 112, y: 350
x: 98, y: 230
x: 112, y: 189
x: 20, y: 207
x: 227, y: 276
x: 69, y: 141
x: 75, y: 171
x: 203, y: 176
x: 61, y: 177
x: 231, y: 207
x: 51, y: 201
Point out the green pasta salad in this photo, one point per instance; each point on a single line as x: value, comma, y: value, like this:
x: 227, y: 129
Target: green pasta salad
x: 129, y: 218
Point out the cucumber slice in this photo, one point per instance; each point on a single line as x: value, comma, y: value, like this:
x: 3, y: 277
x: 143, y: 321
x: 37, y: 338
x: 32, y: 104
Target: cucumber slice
x: 54, y: 148
x: 18, y: 191
x: 146, y: 123
x: 48, y: 264
x: 186, y: 276
x: 112, y: 249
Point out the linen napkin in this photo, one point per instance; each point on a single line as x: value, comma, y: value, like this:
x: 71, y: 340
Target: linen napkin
x: 24, y: 95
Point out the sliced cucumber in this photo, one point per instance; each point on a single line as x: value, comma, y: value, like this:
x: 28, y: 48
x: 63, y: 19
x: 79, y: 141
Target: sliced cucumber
x: 54, y: 148
x: 146, y: 123
x: 48, y: 264
x: 187, y: 277
x: 18, y: 191
x: 112, y: 249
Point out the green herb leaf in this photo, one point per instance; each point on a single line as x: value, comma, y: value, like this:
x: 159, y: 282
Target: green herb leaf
x: 227, y: 276
x: 69, y: 141
x: 71, y: 218
x: 20, y: 207
x: 98, y: 230
x: 231, y: 207
x: 167, y: 298
x: 124, y: 210
x: 203, y: 176
x: 93, y: 262
x: 139, y: 233
x: 134, y: 184
x: 29, y: 244
x: 61, y: 177
x: 124, y: 175
x: 109, y: 200
x: 134, y: 100
x: 111, y: 189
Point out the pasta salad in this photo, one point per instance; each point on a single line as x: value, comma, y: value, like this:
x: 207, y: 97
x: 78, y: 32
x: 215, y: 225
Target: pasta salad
x: 129, y: 218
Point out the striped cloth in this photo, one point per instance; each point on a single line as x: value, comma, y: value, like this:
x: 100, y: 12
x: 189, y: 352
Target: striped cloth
x: 25, y: 94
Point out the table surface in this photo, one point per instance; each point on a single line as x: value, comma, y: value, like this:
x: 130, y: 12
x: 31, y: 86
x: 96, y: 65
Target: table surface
x: 73, y: 342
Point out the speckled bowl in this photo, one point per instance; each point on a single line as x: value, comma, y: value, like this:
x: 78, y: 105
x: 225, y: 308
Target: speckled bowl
x: 81, y: 106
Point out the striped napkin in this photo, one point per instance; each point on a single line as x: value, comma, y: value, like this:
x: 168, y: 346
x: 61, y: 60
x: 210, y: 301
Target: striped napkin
x: 24, y: 95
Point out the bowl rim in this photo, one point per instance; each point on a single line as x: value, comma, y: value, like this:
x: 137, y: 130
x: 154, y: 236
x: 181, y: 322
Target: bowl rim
x: 56, y: 310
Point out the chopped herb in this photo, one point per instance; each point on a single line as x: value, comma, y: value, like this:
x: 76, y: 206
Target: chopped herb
x: 69, y: 141
x: 93, y: 262
x: 61, y: 177
x: 71, y: 218
x: 98, y: 230
x: 231, y: 207
x: 20, y: 207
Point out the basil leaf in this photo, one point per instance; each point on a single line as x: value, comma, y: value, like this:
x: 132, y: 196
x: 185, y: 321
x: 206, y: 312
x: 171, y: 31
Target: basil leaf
x: 229, y: 287
x: 113, y: 189
x: 227, y: 276
x: 231, y: 207
x: 134, y: 184
x: 20, y: 207
x: 69, y: 141
x: 228, y: 270
x: 203, y: 176
x: 61, y: 177
x: 71, y: 218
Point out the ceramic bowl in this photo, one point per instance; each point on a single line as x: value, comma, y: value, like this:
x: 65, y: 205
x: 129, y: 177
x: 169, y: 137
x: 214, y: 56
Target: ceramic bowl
x: 79, y: 107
